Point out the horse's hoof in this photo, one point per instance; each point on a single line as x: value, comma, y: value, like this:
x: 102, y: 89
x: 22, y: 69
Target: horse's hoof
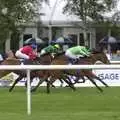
x: 10, y: 90
x: 74, y: 89
x: 53, y: 86
x: 48, y: 92
x: 101, y: 90
x: 33, y: 90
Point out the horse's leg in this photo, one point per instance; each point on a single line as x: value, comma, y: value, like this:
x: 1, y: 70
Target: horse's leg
x: 68, y: 82
x: 96, y: 77
x: 15, y: 82
x: 32, y: 76
x: 39, y: 83
x: 94, y: 83
x: 69, y: 77
x: 48, y: 81
x: 53, y: 86
x: 31, y: 79
x: 61, y: 81
x: 78, y: 78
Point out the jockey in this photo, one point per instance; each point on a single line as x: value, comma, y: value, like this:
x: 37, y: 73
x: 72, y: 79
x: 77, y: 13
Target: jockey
x: 1, y: 58
x: 51, y: 49
x: 28, y: 52
x: 75, y: 53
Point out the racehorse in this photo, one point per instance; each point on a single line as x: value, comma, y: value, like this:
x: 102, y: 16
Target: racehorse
x: 43, y: 74
x: 20, y: 73
x: 63, y: 60
x: 57, y: 74
x: 11, y: 60
x: 46, y: 60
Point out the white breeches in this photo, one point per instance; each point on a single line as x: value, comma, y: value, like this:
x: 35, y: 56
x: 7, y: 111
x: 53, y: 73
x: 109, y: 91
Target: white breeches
x: 42, y: 52
x: 70, y: 55
x: 21, y: 55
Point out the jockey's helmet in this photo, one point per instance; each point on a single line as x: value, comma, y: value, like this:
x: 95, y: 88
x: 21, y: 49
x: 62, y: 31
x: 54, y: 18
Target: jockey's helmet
x: 57, y: 46
x: 34, y: 46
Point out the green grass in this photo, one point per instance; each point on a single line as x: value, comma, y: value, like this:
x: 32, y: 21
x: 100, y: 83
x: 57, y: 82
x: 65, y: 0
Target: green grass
x: 61, y: 104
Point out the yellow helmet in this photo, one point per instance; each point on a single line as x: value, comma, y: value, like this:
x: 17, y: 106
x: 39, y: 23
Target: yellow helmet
x: 57, y: 46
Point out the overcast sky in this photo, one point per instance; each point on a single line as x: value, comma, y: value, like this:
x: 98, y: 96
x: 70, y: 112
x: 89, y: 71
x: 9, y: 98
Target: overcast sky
x: 57, y: 12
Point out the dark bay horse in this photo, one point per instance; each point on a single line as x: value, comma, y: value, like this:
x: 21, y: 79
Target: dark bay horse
x: 44, y: 60
x: 45, y: 74
x: 20, y: 73
x: 41, y: 74
x: 63, y: 60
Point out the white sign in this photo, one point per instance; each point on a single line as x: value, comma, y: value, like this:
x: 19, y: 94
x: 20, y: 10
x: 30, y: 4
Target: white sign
x: 111, y: 77
x: 8, y: 79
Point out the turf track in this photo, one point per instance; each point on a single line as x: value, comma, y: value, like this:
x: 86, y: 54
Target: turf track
x: 61, y: 104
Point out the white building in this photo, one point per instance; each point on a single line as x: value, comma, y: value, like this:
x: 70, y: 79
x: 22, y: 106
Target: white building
x: 55, y: 24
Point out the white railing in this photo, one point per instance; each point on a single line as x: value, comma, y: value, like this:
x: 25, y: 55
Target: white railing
x: 28, y: 68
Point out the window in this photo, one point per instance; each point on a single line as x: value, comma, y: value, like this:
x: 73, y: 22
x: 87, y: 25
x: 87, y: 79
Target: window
x: 81, y: 39
x: 88, y: 39
x: 14, y: 42
x: 74, y: 38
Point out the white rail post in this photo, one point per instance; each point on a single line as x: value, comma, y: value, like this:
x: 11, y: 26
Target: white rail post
x: 28, y: 93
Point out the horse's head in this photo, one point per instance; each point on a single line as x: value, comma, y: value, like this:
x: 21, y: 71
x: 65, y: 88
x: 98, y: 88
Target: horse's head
x: 100, y: 56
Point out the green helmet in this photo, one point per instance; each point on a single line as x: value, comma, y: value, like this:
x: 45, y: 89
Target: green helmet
x: 57, y: 46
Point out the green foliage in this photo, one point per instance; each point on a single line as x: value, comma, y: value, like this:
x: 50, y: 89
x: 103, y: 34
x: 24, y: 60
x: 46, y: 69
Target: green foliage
x: 89, y: 10
x: 18, y: 11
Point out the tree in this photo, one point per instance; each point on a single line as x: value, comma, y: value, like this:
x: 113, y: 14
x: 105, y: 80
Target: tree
x: 15, y: 12
x: 89, y: 10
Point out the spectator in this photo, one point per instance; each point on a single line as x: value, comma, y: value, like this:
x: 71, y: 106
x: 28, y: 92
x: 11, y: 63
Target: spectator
x: 116, y: 57
x: 1, y: 58
x: 107, y: 54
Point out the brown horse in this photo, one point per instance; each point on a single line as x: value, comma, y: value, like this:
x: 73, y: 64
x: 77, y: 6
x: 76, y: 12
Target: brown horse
x: 63, y: 60
x: 56, y: 74
x: 44, y: 75
x: 44, y: 60
x: 20, y: 73
x: 12, y: 60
